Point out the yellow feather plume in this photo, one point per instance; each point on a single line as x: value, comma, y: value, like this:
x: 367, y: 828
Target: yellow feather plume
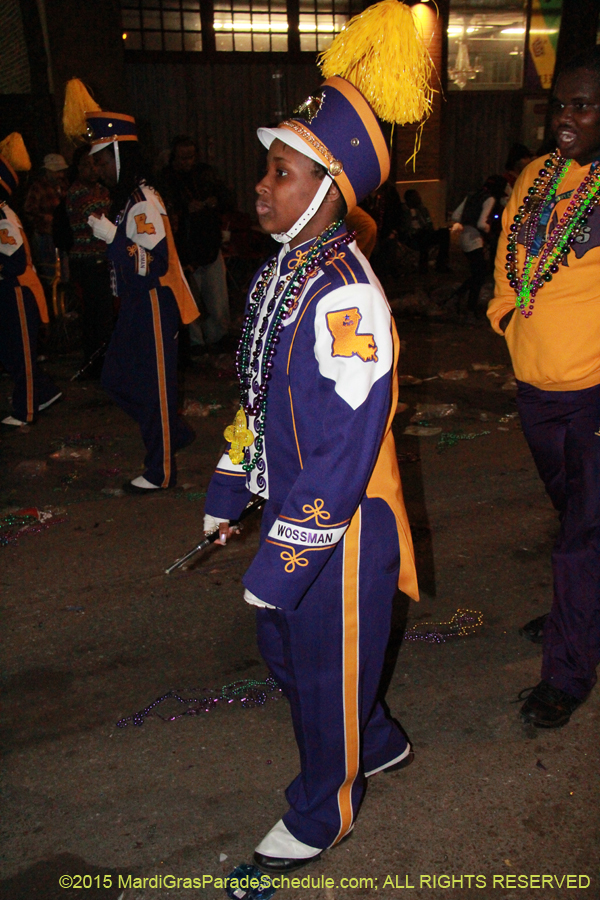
x: 78, y: 101
x: 382, y: 52
x: 14, y: 151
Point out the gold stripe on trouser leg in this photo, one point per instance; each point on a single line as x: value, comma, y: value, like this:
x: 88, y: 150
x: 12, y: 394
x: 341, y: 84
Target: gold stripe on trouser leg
x: 26, y: 352
x: 162, y: 387
x: 351, y: 635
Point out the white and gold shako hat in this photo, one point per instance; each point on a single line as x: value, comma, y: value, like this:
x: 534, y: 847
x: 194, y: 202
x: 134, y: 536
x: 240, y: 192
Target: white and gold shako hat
x: 85, y: 121
x: 107, y: 127
x: 338, y: 129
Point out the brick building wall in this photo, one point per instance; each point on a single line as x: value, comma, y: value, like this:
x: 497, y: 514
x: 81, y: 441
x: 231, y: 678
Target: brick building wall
x: 15, y: 75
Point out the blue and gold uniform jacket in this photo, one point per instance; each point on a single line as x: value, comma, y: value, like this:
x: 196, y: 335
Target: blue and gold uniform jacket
x: 328, y: 443
x: 143, y: 254
x: 16, y: 268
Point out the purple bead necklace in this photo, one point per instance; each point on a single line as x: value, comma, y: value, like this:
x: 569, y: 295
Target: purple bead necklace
x: 562, y: 237
x: 248, y: 362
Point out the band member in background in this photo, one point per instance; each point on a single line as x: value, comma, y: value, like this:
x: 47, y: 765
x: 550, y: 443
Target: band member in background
x: 140, y: 369
x: 22, y: 301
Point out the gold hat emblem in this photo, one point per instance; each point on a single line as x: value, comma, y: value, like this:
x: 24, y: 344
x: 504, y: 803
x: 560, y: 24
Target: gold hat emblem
x: 309, y: 108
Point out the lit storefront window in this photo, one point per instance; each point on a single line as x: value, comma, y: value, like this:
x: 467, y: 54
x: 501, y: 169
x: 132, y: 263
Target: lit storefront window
x: 251, y: 25
x: 486, y: 43
x: 321, y: 20
x: 161, y: 24
x: 261, y: 26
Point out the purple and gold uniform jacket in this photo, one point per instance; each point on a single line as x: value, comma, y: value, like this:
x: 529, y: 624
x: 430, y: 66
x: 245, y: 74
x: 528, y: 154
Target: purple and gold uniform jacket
x: 143, y: 254
x: 328, y: 443
x: 16, y: 268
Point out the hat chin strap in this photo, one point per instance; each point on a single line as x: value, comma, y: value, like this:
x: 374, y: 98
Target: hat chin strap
x: 307, y: 215
x: 96, y: 148
x: 117, y: 159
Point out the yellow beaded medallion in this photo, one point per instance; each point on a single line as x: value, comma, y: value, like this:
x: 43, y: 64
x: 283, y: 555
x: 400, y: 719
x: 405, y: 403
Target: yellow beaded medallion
x: 239, y: 436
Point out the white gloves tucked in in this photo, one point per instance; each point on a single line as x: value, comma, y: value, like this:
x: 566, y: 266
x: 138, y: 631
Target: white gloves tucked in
x: 212, y: 524
x: 253, y: 600
x: 103, y: 228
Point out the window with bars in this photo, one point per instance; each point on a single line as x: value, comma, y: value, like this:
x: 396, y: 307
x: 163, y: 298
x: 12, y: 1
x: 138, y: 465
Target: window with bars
x: 161, y: 24
x: 238, y: 25
x: 321, y: 20
x: 251, y: 25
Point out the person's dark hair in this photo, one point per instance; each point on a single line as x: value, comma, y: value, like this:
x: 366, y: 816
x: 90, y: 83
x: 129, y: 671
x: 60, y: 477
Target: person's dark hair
x: 517, y: 152
x: 133, y: 170
x: 589, y: 60
x: 320, y: 172
x: 412, y: 198
x: 181, y: 140
x: 78, y: 155
x: 495, y: 185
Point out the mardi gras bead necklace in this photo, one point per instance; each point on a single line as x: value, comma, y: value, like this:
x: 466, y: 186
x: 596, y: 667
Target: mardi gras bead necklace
x: 253, y: 375
x: 249, y: 692
x: 528, y: 217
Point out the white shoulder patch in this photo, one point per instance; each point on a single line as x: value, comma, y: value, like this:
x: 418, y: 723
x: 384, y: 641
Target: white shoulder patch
x: 353, y: 340
x: 145, y: 224
x: 10, y: 237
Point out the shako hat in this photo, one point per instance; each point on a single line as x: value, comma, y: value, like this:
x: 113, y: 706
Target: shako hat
x: 83, y: 120
x: 379, y: 65
x: 106, y: 127
x: 338, y: 129
x: 13, y: 158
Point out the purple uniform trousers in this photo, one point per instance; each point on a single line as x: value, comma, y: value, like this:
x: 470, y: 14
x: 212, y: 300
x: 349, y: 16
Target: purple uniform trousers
x: 561, y: 428
x: 20, y: 320
x: 140, y: 374
x: 327, y: 655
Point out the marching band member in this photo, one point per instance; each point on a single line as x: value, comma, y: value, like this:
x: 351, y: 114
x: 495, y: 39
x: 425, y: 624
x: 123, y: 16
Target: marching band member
x: 140, y: 369
x: 317, y: 368
x: 22, y: 301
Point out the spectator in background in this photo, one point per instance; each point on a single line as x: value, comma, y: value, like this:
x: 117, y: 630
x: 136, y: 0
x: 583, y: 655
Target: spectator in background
x: 497, y: 187
x: 196, y: 199
x: 88, y: 264
x: 473, y: 217
x: 43, y: 197
x: 365, y: 229
x: 549, y: 258
x: 518, y: 157
x: 389, y: 212
x: 423, y: 236
x: 393, y: 226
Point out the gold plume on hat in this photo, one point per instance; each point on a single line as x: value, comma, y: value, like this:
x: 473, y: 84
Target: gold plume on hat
x: 382, y: 53
x: 14, y: 151
x: 78, y: 102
